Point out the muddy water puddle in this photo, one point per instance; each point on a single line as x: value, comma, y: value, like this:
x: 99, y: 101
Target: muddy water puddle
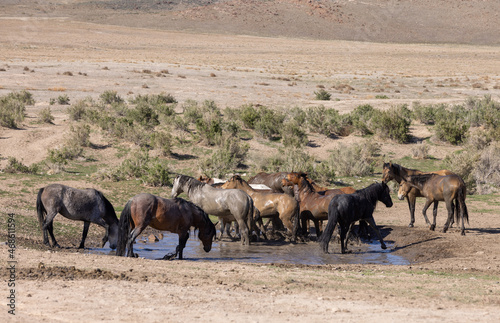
x: 266, y: 252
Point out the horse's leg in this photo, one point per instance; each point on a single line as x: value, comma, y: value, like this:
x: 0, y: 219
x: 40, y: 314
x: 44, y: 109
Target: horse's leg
x: 449, y: 207
x: 183, y: 237
x: 50, y: 230
x: 426, y: 206
x: 305, y: 221
x: 411, y: 198
x: 434, y: 214
x: 371, y: 222
x: 86, y: 225
x: 130, y: 243
x: 317, y: 228
x: 244, y: 232
x: 343, y: 240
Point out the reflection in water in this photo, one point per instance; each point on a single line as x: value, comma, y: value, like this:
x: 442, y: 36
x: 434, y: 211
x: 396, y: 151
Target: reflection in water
x: 266, y: 252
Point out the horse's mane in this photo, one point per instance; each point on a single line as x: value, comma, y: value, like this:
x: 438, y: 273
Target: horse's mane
x: 108, y: 206
x: 421, y: 178
x: 191, y: 182
x: 371, y: 192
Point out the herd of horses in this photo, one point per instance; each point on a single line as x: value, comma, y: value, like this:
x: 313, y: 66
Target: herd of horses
x: 290, y: 200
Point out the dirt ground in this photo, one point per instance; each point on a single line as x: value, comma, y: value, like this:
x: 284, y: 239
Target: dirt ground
x: 450, y: 278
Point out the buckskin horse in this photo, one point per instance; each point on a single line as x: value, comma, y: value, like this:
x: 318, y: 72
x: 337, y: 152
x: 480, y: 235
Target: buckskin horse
x: 270, y: 204
x: 346, y: 209
x: 87, y: 205
x: 176, y: 215
x: 450, y: 189
x: 398, y: 173
x: 229, y: 205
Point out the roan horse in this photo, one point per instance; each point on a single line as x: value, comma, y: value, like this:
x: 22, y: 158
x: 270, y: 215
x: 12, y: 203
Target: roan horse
x: 398, y: 173
x: 313, y: 205
x: 348, y: 208
x: 87, y: 205
x: 176, y: 215
x: 450, y: 189
x: 229, y: 205
x: 270, y: 204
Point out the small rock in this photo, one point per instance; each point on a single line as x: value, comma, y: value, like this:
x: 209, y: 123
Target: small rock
x: 153, y: 238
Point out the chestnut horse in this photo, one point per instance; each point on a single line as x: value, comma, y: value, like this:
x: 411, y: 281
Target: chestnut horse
x: 398, y: 173
x: 270, y: 204
x: 176, y: 215
x: 313, y: 205
x: 326, y: 190
x: 348, y: 208
x: 450, y: 189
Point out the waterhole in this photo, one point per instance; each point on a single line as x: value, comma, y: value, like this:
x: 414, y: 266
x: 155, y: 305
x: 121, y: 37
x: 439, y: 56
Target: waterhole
x: 266, y: 252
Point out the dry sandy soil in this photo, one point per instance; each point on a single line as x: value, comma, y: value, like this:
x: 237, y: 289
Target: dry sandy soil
x: 451, y: 278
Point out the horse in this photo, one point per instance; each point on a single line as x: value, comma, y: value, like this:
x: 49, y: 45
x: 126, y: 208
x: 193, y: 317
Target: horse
x: 398, y: 173
x: 174, y: 215
x: 270, y: 205
x: 229, y: 205
x: 449, y: 188
x: 313, y: 205
x: 273, y: 181
x: 328, y: 191
x: 87, y: 205
x: 208, y: 180
x: 348, y: 208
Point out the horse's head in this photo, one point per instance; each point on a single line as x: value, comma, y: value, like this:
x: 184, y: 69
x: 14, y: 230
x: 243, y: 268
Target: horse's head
x: 112, y: 235
x: 387, y: 172
x: 177, y: 186
x: 229, y: 184
x: 404, y: 188
x: 294, y: 177
x: 207, y: 233
x: 385, y: 196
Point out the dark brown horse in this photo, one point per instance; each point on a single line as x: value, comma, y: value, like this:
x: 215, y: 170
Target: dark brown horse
x: 398, y: 173
x: 270, y: 205
x: 450, y: 189
x: 313, y: 205
x: 174, y: 215
x: 273, y: 181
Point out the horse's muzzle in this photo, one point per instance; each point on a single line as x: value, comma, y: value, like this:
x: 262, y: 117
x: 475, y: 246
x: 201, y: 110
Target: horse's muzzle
x: 207, y: 249
x: 401, y: 197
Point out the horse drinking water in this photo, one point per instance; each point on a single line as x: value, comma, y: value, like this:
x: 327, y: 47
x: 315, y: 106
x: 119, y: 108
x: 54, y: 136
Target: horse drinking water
x: 349, y: 208
x: 176, y: 215
x: 87, y: 205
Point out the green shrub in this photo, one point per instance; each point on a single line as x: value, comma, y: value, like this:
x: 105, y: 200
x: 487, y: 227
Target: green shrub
x: 451, y: 127
x: 154, y: 99
x: 424, y: 113
x: 354, y: 160
x: 108, y: 97
x: 298, y: 114
x: 63, y: 155
x: 151, y: 171
x: 392, y: 124
x: 225, y: 159
x: 144, y: 115
x: 15, y: 167
x: 420, y: 151
x: 77, y: 111
x: 249, y: 116
x: 80, y: 136
x: 12, y: 111
x: 289, y: 160
x: 269, y: 123
x: 293, y: 135
x: 322, y: 95
x: 45, y: 115
x: 63, y: 99
x: 23, y: 96
x: 209, y: 129
x: 163, y: 142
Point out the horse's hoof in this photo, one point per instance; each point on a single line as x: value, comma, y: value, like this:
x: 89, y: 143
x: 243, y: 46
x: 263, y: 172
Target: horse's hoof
x: 432, y: 227
x: 463, y: 233
x: 383, y: 246
x: 410, y: 225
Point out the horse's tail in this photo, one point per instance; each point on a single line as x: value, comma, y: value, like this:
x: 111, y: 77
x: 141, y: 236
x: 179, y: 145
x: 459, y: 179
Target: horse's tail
x: 461, y: 200
x: 333, y: 217
x: 124, y: 230
x: 40, y: 209
x: 296, y: 221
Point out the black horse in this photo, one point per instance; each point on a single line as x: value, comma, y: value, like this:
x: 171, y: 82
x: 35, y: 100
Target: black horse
x: 346, y: 209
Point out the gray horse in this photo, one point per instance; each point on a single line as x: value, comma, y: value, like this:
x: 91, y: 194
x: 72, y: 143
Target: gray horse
x: 229, y: 205
x: 87, y: 205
